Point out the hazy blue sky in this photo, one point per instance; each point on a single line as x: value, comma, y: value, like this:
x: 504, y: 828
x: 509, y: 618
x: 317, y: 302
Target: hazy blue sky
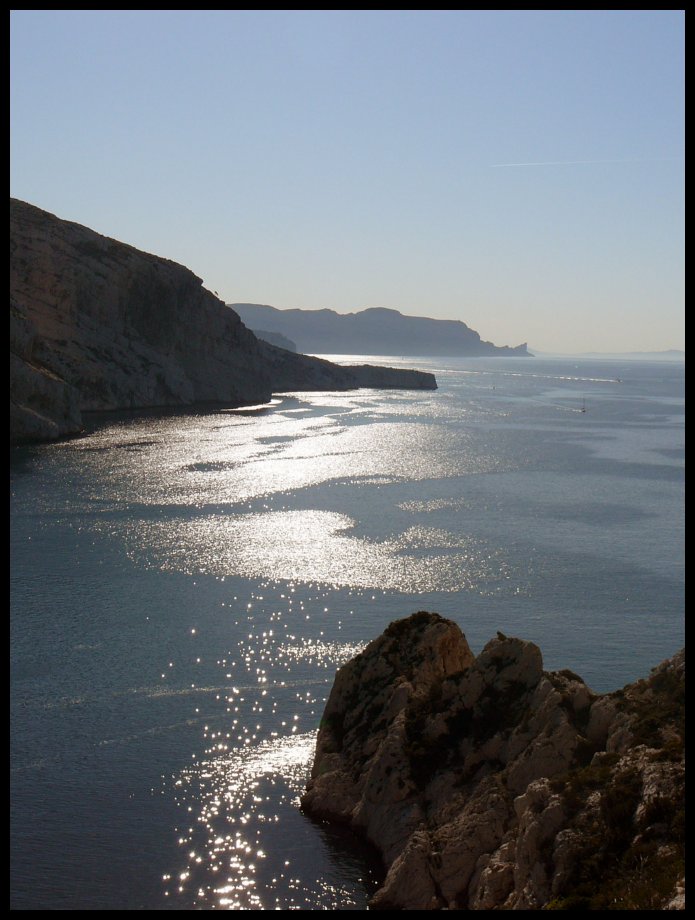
x: 518, y: 170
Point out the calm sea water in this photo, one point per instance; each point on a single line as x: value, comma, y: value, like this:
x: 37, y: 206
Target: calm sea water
x: 185, y: 586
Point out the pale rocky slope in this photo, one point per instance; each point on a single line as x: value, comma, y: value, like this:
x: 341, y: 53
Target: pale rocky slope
x: 487, y: 783
x: 96, y: 324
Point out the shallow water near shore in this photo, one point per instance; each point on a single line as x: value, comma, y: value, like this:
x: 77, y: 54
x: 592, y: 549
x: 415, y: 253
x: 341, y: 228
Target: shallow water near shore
x: 185, y: 585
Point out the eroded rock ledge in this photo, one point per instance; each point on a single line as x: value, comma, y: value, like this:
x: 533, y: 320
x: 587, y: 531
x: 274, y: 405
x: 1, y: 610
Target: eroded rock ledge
x: 490, y: 784
x: 96, y: 324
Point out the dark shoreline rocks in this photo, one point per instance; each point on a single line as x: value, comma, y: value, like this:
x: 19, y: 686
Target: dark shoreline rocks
x: 487, y: 783
x: 96, y: 325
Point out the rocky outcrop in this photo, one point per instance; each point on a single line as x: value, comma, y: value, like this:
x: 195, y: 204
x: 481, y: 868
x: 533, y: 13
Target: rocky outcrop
x: 274, y: 338
x: 289, y: 371
x: 487, y: 783
x: 98, y: 325
x: 375, y: 331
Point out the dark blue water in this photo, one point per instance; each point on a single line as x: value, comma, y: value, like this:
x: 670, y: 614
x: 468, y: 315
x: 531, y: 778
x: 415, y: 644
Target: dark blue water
x: 184, y: 587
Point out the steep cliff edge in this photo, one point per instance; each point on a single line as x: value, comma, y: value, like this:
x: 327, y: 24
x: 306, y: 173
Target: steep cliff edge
x: 96, y: 324
x: 488, y: 783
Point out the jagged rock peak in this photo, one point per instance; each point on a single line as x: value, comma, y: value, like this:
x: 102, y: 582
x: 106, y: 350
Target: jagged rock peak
x: 487, y: 783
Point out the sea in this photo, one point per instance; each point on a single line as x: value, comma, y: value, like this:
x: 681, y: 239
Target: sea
x: 184, y: 586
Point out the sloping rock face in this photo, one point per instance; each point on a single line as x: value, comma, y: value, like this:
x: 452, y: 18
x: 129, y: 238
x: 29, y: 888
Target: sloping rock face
x: 42, y: 405
x: 490, y: 784
x: 280, y: 341
x: 374, y: 331
x: 99, y: 325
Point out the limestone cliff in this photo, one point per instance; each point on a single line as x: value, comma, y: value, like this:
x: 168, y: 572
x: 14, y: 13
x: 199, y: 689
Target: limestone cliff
x: 96, y: 324
x: 488, y: 783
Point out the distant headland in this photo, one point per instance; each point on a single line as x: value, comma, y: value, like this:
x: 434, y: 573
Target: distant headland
x: 374, y: 331
x: 96, y: 324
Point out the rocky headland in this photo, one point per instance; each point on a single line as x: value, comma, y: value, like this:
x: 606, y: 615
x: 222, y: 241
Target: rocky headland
x: 374, y: 331
x: 98, y: 325
x: 275, y: 338
x: 488, y: 783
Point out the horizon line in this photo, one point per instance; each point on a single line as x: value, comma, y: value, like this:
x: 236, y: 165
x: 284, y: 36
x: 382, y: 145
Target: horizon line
x: 589, y: 162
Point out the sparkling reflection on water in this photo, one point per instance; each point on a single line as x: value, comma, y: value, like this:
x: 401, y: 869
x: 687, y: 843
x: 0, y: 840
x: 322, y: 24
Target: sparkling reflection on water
x: 243, y: 843
x: 185, y: 586
x: 236, y: 796
x: 231, y: 792
x: 319, y: 546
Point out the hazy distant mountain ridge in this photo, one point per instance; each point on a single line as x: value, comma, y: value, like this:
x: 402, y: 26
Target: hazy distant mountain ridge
x: 374, y: 331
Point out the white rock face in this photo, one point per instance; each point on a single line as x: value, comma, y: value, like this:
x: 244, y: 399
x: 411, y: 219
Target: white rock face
x: 485, y: 782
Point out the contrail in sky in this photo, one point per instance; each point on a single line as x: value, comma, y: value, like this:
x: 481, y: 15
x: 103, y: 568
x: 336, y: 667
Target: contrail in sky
x: 587, y: 162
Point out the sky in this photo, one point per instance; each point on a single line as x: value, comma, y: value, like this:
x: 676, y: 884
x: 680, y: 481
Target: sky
x: 519, y: 170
